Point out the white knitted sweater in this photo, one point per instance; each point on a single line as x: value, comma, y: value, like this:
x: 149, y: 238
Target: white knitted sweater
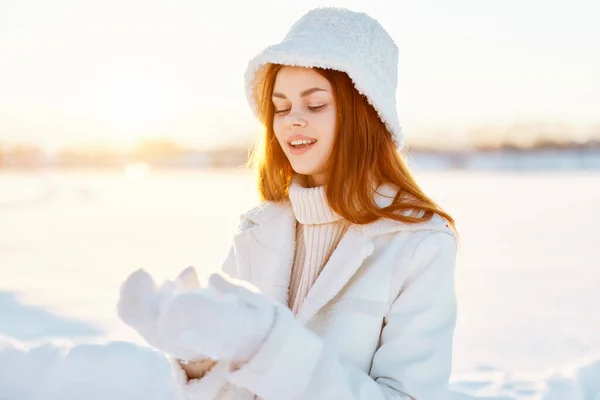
x: 318, y: 232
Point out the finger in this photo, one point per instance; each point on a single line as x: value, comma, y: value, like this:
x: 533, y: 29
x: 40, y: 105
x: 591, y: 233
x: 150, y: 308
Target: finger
x: 135, y: 295
x: 188, y: 279
x: 245, y: 292
x: 220, y: 284
x: 138, y: 284
x: 223, y: 286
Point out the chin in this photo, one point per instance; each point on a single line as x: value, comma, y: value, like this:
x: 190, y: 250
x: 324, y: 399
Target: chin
x: 302, y: 170
x: 307, y: 167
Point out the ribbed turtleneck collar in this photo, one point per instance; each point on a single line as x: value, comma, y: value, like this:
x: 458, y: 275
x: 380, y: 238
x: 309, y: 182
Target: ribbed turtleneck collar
x: 310, y: 204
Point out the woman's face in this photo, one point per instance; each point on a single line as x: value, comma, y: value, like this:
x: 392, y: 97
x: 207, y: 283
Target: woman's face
x: 305, y: 119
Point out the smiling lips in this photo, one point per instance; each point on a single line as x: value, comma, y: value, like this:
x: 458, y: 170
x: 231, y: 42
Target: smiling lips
x: 300, y: 144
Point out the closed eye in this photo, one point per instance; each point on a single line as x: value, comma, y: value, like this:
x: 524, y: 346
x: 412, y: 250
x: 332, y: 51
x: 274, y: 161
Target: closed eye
x: 312, y: 109
x: 317, y: 108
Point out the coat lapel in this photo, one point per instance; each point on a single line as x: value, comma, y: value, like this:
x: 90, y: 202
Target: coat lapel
x: 353, y: 249
x: 264, y: 252
x: 264, y: 249
x: 346, y: 259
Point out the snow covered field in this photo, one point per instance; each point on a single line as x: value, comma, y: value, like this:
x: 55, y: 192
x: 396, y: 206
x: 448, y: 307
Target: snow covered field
x: 528, y: 276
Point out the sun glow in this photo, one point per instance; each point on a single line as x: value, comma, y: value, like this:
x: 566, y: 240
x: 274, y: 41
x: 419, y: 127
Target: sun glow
x: 134, y: 105
x: 136, y: 171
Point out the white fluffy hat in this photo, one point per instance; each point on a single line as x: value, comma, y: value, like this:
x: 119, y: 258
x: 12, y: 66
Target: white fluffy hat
x: 344, y: 40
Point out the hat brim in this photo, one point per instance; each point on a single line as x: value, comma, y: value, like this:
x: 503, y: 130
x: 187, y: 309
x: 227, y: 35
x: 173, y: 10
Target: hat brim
x: 305, y: 54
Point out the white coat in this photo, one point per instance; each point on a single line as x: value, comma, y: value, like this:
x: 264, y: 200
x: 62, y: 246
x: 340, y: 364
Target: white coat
x: 377, y: 324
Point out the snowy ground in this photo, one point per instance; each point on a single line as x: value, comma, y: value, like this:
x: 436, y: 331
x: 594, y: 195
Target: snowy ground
x: 528, y: 277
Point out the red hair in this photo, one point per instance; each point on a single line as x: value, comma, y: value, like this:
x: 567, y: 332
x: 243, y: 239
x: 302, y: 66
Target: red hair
x: 364, y: 156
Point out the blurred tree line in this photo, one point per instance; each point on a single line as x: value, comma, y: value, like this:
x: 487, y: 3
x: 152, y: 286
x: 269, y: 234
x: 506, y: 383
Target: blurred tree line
x: 170, y: 154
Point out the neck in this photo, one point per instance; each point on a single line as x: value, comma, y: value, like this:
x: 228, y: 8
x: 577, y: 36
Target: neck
x: 310, y: 204
x: 312, y: 181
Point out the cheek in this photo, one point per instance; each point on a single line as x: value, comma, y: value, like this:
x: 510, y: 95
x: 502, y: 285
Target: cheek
x: 327, y: 126
x: 278, y: 129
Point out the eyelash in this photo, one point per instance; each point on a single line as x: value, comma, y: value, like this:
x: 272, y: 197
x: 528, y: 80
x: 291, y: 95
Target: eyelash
x: 312, y: 109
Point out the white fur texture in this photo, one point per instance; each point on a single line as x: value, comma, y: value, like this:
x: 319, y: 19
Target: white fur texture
x: 339, y: 39
x: 229, y: 326
x: 141, y: 301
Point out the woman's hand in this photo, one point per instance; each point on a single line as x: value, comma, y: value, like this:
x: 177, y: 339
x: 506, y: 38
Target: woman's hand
x: 230, y: 325
x: 141, y: 300
x: 198, y: 368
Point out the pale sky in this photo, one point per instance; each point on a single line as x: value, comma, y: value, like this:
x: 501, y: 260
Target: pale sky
x: 79, y: 72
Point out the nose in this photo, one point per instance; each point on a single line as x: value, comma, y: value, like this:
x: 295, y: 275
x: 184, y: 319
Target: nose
x: 295, y: 119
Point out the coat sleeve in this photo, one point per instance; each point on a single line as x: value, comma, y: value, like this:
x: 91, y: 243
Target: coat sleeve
x: 413, y: 360
x: 213, y: 385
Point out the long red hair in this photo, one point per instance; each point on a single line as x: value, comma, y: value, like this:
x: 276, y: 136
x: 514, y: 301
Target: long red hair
x: 364, y: 156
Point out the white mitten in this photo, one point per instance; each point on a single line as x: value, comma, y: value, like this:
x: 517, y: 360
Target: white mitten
x: 141, y: 299
x: 229, y: 326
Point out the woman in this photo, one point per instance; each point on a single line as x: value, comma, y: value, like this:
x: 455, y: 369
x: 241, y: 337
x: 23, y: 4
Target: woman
x: 353, y: 262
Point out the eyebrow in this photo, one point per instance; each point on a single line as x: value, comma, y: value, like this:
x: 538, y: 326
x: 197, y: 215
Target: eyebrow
x: 303, y: 94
